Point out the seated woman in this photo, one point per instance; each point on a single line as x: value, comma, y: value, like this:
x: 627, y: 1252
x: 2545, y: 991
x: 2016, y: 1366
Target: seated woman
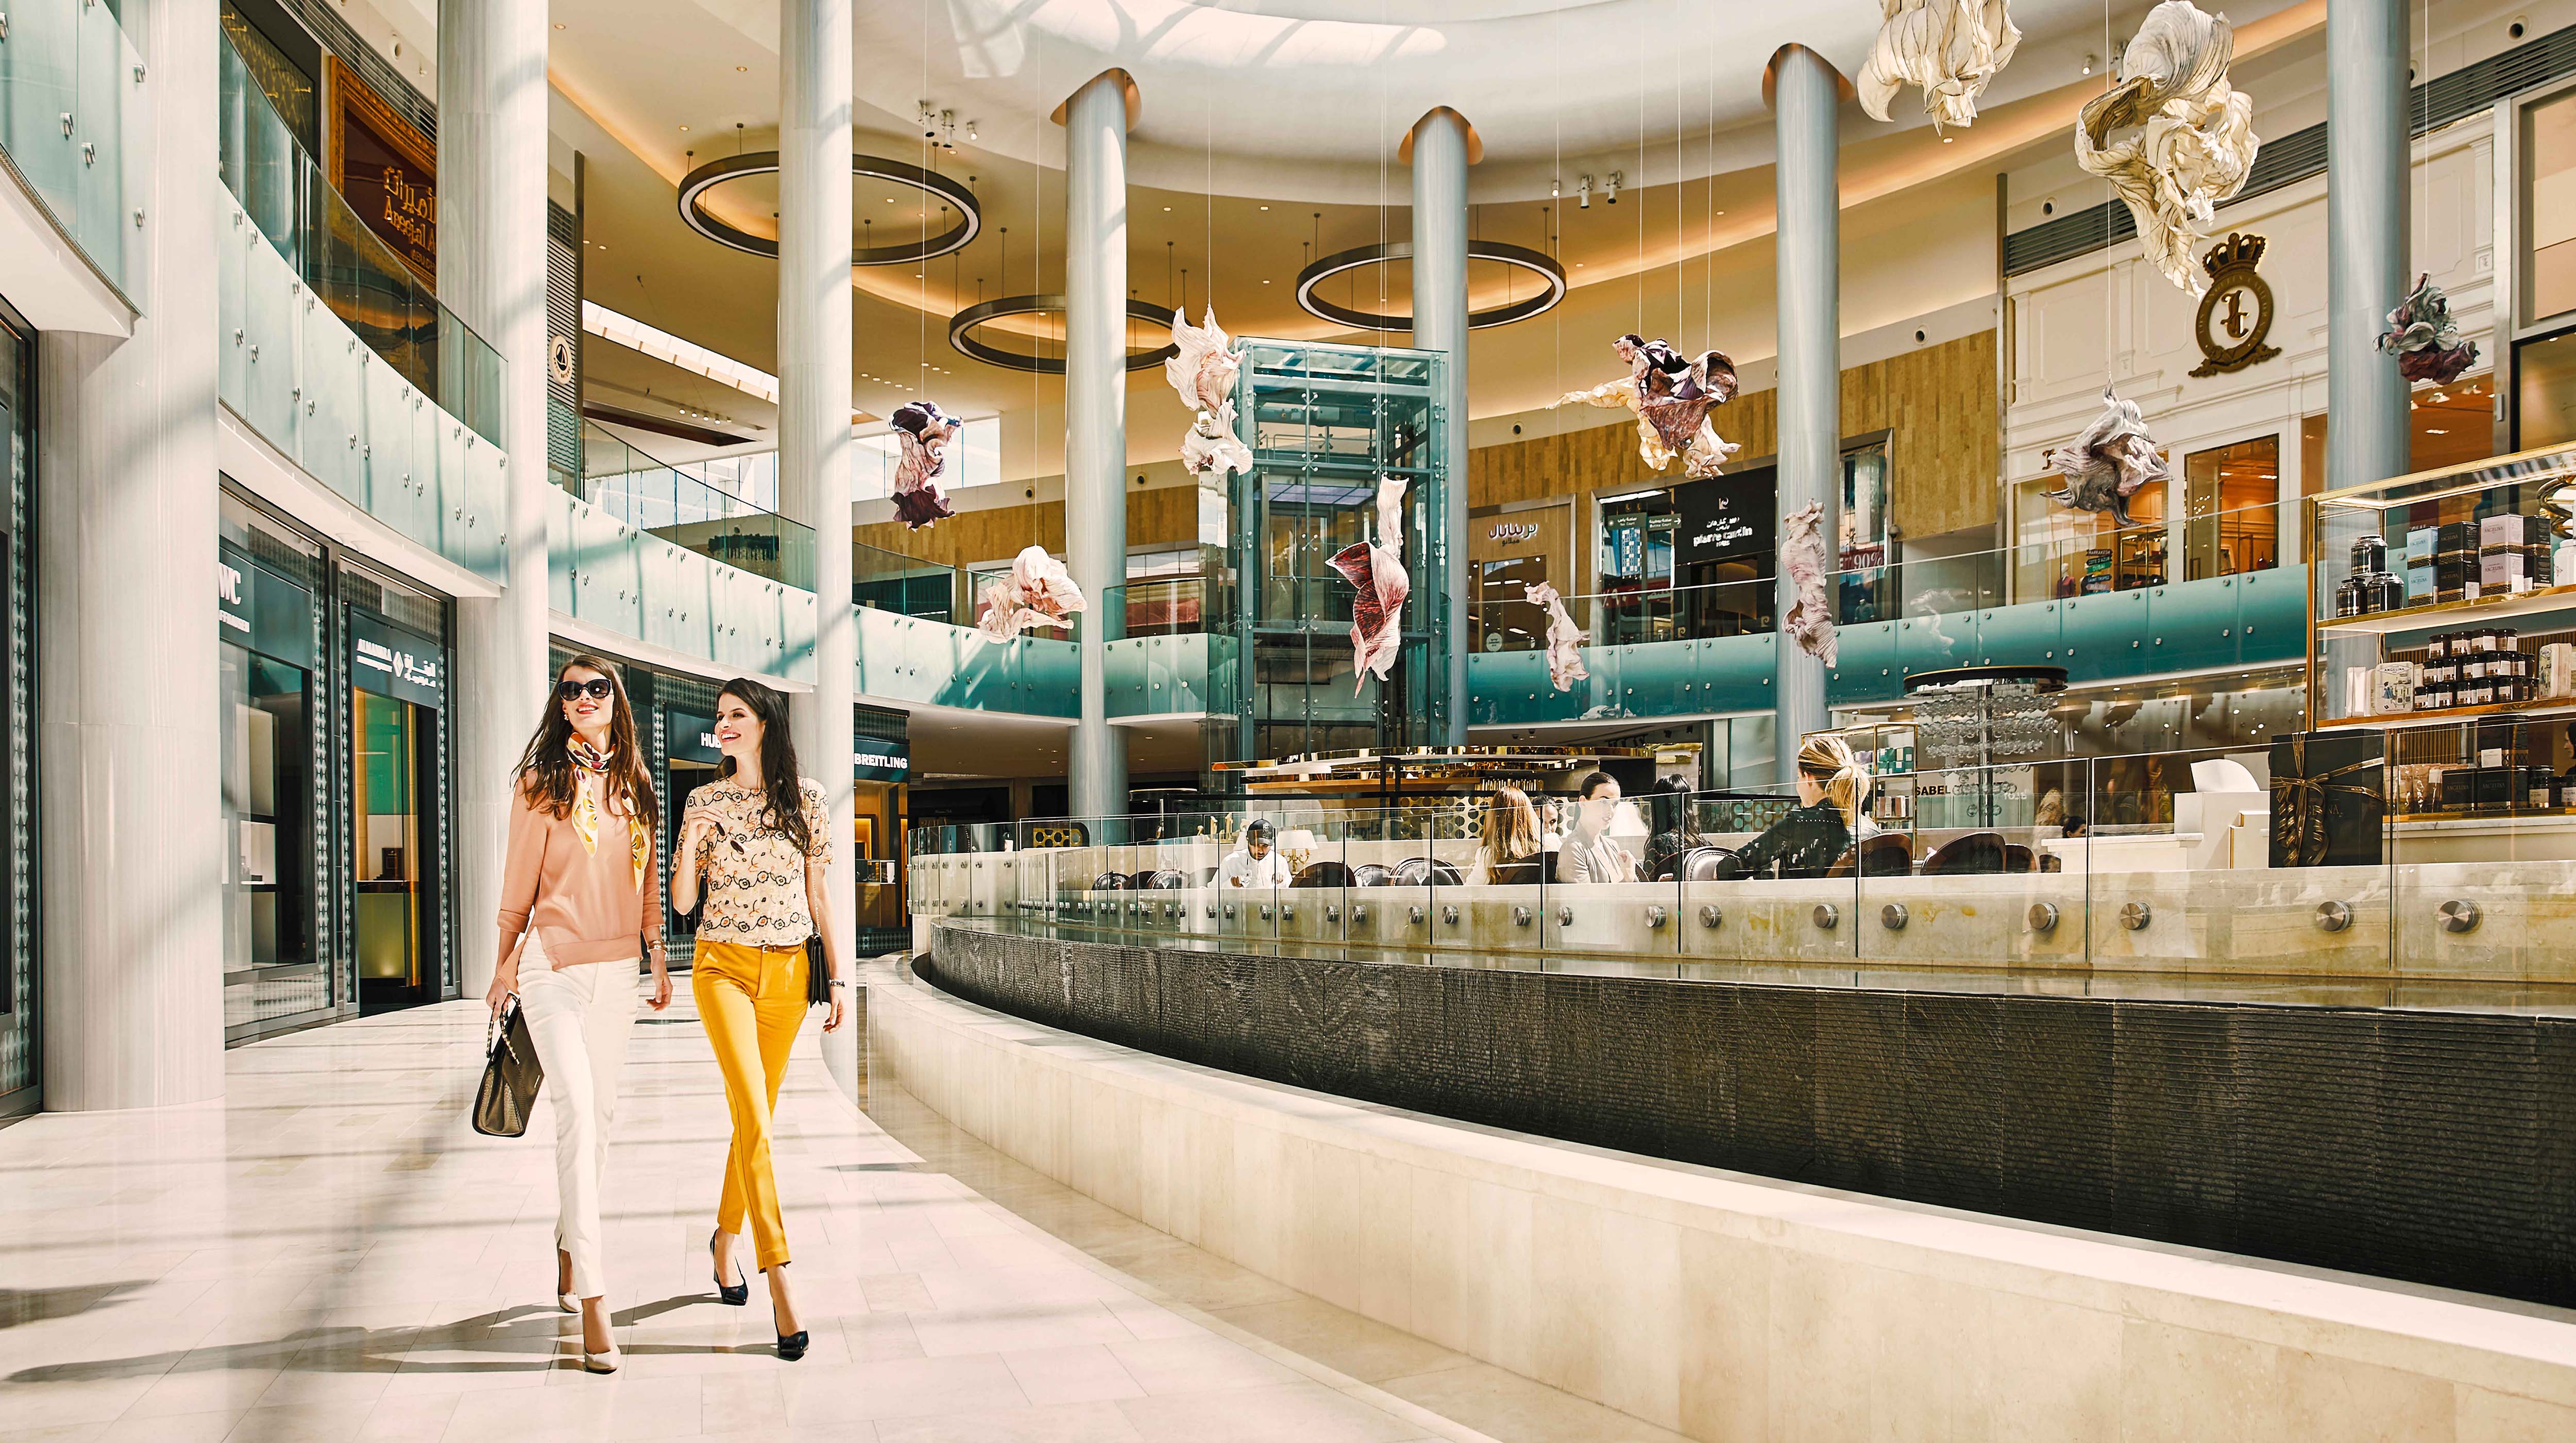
x: 1675, y: 829
x: 1588, y: 854
x: 1510, y: 835
x: 1831, y: 788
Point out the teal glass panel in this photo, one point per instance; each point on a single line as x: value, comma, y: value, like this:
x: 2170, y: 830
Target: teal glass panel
x: 40, y: 62
x: 2194, y: 624
x: 273, y: 305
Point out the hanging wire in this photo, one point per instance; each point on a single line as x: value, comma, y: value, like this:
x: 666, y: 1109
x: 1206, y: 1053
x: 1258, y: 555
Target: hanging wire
x: 2110, y: 261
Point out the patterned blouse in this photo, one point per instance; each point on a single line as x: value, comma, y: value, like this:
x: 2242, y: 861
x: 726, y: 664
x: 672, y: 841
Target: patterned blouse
x: 751, y: 880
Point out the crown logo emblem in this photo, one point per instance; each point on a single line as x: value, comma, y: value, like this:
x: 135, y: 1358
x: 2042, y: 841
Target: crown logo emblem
x: 2237, y: 250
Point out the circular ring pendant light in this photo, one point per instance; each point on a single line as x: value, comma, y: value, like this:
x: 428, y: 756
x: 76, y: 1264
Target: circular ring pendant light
x: 962, y: 327
x: 1538, y: 263
x: 933, y: 186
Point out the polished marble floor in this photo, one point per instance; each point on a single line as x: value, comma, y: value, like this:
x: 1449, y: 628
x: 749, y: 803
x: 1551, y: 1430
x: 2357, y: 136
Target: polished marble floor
x: 332, y: 1254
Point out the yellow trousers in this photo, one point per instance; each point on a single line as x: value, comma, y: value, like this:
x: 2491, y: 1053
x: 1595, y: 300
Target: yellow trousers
x: 752, y: 1000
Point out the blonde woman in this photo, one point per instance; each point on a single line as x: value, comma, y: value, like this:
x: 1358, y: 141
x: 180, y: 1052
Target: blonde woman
x: 1808, y: 841
x: 1510, y: 833
x: 755, y: 844
x: 578, y: 912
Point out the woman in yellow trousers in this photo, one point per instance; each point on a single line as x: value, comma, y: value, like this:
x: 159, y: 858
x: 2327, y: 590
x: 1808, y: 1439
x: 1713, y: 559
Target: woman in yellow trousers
x: 756, y: 846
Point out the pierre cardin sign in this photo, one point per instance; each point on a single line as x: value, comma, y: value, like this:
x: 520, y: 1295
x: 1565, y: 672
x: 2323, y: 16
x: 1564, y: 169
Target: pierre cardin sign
x: 1725, y: 517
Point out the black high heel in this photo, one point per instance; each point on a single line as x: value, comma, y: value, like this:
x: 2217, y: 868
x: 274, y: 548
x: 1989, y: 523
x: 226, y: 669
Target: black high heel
x: 791, y: 1346
x: 733, y: 1294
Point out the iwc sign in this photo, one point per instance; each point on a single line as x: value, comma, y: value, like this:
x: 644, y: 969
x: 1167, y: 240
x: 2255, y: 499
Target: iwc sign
x: 559, y: 359
x: 2236, y: 314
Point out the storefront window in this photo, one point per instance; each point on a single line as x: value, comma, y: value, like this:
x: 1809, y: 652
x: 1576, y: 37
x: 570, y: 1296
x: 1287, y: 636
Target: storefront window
x: 2549, y: 207
x: 276, y: 965
x: 2232, y: 520
x: 1867, y: 585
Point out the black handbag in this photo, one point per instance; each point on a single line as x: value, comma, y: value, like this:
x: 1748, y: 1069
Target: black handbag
x: 511, y: 1075
x: 818, y: 976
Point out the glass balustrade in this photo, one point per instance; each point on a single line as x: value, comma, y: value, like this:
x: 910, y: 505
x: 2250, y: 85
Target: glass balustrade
x: 72, y: 88
x: 2163, y: 872
x: 2058, y: 568
x: 687, y: 508
x: 339, y: 265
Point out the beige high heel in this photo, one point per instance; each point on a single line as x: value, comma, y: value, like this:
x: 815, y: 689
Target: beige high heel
x: 565, y: 1302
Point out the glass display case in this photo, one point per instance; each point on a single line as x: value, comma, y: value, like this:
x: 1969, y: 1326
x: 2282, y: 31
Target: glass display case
x: 2443, y: 621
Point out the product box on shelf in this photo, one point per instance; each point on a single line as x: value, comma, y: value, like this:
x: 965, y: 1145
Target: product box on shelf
x: 2420, y: 574
x: 2329, y: 798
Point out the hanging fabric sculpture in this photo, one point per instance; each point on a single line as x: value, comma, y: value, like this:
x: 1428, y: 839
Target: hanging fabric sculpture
x: 1202, y: 368
x: 1376, y: 569
x: 924, y: 432
x: 1036, y: 591
x: 2107, y: 464
x: 1210, y: 444
x: 1810, y: 622
x: 2195, y: 143
x: 1671, y: 398
x: 2424, y: 338
x: 1952, y: 48
x: 1564, y: 664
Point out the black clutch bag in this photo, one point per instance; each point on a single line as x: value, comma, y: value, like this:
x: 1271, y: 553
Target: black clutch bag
x: 818, y: 978
x: 511, y: 1076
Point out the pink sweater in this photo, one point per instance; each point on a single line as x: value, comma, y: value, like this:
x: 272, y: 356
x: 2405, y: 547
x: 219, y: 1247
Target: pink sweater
x: 584, y: 906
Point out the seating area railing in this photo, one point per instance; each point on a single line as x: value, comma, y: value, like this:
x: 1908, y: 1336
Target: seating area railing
x: 2114, y: 864
x: 684, y: 508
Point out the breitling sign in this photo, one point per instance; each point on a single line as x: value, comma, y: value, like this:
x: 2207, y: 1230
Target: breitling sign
x: 2236, y: 314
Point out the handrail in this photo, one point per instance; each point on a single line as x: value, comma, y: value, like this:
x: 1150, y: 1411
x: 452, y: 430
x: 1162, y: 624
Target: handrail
x: 666, y: 500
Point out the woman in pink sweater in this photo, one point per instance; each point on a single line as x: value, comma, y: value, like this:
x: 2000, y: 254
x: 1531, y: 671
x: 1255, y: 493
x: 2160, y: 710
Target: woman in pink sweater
x: 579, y: 911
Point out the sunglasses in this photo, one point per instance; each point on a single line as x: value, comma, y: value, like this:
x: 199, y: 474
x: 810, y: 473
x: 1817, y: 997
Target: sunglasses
x: 597, y: 688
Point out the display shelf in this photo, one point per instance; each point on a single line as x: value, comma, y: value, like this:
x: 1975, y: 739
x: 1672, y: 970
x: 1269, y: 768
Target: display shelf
x: 2556, y: 706
x: 2424, y: 618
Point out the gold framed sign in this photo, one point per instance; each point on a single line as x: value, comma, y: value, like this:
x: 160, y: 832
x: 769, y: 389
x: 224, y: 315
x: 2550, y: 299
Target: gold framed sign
x: 2236, y: 313
x: 387, y: 170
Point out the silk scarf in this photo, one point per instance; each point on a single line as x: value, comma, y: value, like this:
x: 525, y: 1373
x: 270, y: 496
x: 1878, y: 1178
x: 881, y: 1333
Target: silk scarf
x: 585, y: 809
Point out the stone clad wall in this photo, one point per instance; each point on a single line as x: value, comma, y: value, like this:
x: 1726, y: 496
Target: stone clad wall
x: 1723, y: 1306
x: 2432, y: 1147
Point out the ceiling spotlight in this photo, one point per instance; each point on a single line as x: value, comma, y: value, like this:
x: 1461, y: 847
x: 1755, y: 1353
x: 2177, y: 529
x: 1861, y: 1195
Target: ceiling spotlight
x: 1611, y: 187
x: 1583, y: 193
x: 2088, y: 63
x: 684, y: 130
x: 741, y: 70
x: 970, y: 131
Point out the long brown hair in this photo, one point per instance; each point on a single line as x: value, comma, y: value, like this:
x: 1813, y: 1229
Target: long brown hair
x: 546, y: 772
x: 782, y: 786
x: 1511, y: 828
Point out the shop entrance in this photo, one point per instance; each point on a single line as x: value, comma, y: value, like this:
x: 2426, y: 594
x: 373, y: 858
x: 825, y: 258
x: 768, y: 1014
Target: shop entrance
x: 397, y: 691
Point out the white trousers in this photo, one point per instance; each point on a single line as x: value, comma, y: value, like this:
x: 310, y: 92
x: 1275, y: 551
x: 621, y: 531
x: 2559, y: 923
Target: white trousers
x: 579, y: 1018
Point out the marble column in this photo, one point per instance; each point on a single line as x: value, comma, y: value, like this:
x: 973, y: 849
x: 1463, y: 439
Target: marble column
x: 128, y: 687
x: 492, y: 274
x: 2368, y: 433
x: 1440, y: 155
x: 1095, y: 416
x: 1805, y: 94
x: 814, y: 451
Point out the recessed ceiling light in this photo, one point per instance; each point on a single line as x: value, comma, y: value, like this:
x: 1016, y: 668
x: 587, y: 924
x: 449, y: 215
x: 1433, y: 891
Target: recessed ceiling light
x: 1265, y: 207
x: 742, y: 70
x: 1265, y: 280
x: 558, y: 25
x: 684, y: 130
